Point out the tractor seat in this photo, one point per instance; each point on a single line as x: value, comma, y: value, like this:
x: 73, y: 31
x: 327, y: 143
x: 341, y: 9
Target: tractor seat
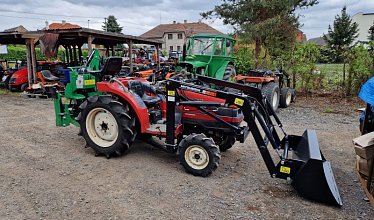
x: 141, y: 89
x: 47, y: 75
x: 112, y: 66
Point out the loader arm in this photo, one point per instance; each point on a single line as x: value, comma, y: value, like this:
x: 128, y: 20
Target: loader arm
x: 300, y: 159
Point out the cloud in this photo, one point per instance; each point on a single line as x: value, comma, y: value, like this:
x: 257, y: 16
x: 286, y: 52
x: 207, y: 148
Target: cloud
x: 138, y: 16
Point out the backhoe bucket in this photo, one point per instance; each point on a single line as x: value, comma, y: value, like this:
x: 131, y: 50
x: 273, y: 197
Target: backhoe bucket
x: 314, y: 178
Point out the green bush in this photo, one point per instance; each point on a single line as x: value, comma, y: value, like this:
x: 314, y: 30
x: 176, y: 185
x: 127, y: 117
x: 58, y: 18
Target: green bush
x: 304, y: 59
x: 244, y: 60
x: 359, y: 68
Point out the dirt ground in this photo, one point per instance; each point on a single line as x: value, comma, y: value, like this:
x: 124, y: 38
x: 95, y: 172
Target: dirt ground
x: 47, y: 173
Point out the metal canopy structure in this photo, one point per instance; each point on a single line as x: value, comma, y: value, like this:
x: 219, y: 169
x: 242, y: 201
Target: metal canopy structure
x: 72, y: 40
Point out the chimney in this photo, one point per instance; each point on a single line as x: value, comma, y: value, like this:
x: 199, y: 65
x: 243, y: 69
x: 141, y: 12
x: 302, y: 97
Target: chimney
x: 174, y: 22
x: 46, y: 25
x: 63, y: 22
x: 185, y: 21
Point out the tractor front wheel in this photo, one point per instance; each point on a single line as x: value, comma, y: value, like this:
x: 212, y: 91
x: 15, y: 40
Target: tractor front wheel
x: 107, y: 125
x: 271, y: 91
x: 199, y: 155
x: 285, y: 98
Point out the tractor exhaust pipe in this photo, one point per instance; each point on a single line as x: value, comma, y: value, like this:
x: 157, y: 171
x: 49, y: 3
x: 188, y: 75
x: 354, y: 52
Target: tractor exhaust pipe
x: 312, y: 176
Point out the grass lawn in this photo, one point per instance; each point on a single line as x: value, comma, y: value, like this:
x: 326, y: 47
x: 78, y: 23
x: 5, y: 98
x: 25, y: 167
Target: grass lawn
x: 333, y: 74
x: 7, y: 92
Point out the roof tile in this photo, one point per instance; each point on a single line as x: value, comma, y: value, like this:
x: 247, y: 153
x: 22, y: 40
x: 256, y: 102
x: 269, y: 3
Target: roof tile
x: 187, y: 28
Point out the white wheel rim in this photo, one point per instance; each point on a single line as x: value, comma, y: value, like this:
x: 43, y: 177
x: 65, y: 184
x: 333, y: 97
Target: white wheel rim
x: 288, y: 98
x: 196, y: 157
x: 102, y: 127
x: 275, y: 100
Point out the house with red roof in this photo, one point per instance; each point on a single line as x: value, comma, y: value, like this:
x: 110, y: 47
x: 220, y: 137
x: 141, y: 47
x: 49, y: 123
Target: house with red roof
x: 174, y: 35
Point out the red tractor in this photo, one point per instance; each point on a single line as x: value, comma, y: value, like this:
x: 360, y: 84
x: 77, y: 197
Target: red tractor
x: 189, y: 118
x: 19, y: 80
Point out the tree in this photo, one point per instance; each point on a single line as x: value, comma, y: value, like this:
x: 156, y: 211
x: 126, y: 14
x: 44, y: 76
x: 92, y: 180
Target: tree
x: 341, y: 37
x: 270, y: 23
x: 111, y: 25
x: 371, y: 33
x: 371, y: 44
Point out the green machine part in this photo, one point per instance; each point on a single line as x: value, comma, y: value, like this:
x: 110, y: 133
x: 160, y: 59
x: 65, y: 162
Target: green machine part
x: 82, y: 85
x: 209, y: 54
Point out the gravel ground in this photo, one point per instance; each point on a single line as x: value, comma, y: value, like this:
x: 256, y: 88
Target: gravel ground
x: 46, y: 173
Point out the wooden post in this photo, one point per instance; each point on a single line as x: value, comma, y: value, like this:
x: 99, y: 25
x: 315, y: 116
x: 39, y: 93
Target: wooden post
x: 33, y: 60
x: 107, y: 51
x: 112, y: 50
x: 130, y: 56
x: 158, y: 57
x: 71, y: 56
x: 89, y: 43
x: 67, y: 55
x: 80, y: 54
x: 28, y: 58
x: 75, y: 55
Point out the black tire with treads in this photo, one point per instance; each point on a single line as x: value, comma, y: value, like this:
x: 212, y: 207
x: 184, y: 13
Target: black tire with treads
x: 285, y: 97
x: 123, y: 118
x: 224, y: 142
x: 270, y: 89
x: 230, y: 73
x: 193, y: 145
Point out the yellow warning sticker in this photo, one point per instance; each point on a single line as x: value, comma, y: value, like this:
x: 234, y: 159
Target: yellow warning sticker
x: 171, y: 93
x: 284, y: 169
x: 239, y: 102
x: 89, y: 82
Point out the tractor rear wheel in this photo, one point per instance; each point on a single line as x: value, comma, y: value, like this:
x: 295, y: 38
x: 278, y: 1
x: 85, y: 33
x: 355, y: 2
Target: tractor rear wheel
x: 271, y: 91
x: 293, y: 95
x: 230, y: 73
x: 285, y: 98
x: 107, y: 125
x: 199, y: 155
x: 24, y: 86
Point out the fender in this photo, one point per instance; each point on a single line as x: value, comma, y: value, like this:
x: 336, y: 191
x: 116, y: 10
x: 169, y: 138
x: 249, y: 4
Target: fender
x: 221, y: 71
x: 138, y: 107
x: 254, y: 79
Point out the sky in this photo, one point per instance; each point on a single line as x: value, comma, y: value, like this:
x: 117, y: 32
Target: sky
x: 139, y: 16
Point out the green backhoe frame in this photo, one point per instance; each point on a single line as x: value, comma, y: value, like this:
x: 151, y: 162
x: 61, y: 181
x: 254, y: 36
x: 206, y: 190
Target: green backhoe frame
x: 82, y: 85
x: 209, y: 54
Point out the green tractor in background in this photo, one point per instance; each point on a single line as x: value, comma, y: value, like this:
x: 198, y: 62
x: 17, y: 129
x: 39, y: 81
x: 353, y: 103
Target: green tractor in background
x: 210, y: 55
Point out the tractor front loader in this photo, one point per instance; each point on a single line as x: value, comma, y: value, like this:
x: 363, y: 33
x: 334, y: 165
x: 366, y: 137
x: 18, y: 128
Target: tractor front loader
x: 190, y: 118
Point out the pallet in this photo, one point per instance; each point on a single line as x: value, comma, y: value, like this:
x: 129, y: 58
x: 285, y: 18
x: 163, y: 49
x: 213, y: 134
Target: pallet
x: 364, y: 184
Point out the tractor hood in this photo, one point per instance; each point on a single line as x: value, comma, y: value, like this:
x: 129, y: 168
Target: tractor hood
x: 194, y: 63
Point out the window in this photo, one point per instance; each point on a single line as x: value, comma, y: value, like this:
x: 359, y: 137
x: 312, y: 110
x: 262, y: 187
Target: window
x: 218, y: 49
x: 171, y: 48
x: 202, y: 46
x: 229, y: 49
x: 178, y: 48
x: 170, y: 36
x: 180, y: 36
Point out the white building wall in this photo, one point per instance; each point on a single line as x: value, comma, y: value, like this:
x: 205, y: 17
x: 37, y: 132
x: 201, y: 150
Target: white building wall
x: 175, y: 42
x: 364, y: 21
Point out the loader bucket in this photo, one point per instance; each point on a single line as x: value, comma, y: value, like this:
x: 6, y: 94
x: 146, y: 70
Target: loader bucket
x: 314, y: 178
